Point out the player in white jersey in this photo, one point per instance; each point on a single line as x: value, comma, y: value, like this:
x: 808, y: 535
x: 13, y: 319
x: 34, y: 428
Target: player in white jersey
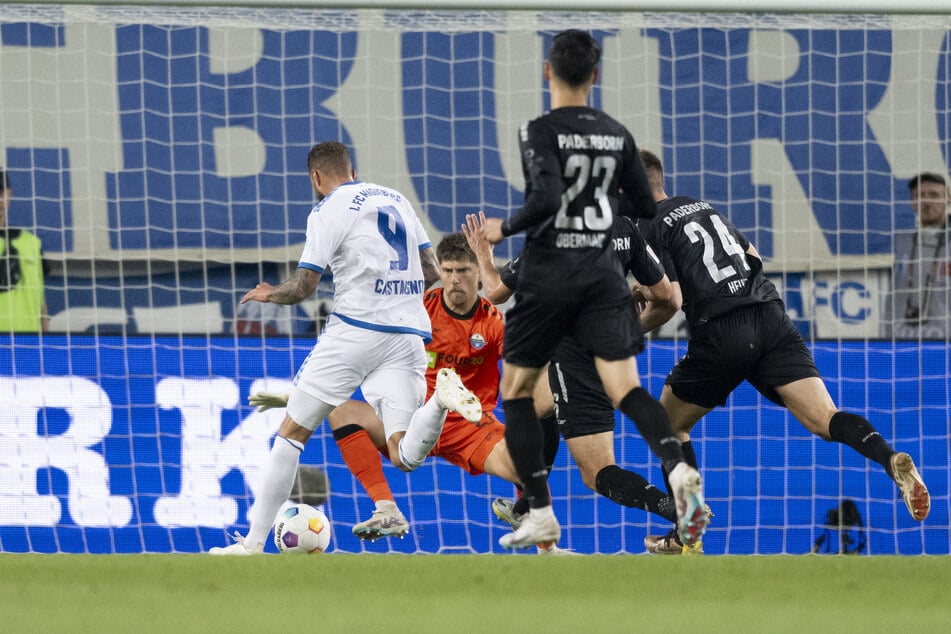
x: 382, y: 262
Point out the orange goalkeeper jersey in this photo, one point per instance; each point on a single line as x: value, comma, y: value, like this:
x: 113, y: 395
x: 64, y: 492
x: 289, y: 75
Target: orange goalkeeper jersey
x: 470, y: 344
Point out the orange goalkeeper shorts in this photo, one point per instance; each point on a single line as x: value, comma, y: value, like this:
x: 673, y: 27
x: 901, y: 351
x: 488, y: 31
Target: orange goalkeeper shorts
x: 466, y: 444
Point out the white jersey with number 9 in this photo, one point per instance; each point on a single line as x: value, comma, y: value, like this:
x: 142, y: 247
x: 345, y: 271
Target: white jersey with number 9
x: 370, y: 237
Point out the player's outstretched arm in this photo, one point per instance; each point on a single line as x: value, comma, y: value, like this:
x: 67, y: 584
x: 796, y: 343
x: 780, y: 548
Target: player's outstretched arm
x: 297, y: 288
x: 495, y: 290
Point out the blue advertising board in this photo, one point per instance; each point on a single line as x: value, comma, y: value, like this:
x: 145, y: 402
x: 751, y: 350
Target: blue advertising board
x: 147, y: 445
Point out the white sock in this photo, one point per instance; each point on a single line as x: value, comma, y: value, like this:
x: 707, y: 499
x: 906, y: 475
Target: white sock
x: 541, y: 513
x: 422, y: 434
x: 275, y: 487
x: 388, y: 505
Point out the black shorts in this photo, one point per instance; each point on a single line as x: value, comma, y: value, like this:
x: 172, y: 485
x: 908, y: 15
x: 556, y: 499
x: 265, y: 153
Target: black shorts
x: 598, y: 314
x: 757, y: 343
x: 581, y: 406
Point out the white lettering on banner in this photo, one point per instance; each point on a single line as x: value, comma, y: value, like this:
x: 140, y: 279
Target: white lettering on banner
x: 88, y: 130
x: 23, y: 451
x: 912, y: 143
x: 206, y: 456
x: 847, y: 304
x: 797, y: 237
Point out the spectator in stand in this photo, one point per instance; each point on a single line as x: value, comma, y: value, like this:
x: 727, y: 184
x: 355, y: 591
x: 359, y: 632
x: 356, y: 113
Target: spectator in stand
x: 918, y: 307
x: 22, y: 273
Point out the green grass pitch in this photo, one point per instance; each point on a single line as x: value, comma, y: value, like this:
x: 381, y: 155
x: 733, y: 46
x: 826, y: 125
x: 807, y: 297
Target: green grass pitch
x: 474, y: 593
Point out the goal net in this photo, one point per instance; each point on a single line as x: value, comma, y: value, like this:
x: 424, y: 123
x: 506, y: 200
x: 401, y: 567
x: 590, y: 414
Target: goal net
x: 159, y: 154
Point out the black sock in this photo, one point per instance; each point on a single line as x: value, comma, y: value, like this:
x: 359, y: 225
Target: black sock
x: 689, y: 455
x: 631, y: 489
x: 552, y: 438
x: 346, y: 430
x: 549, y: 449
x: 651, y: 420
x: 523, y: 435
x: 858, y: 433
x: 670, y: 490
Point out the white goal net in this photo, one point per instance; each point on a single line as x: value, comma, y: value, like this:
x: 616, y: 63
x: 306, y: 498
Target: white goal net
x: 159, y: 154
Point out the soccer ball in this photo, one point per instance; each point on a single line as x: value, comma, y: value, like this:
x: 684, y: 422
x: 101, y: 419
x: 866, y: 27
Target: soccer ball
x: 302, y: 529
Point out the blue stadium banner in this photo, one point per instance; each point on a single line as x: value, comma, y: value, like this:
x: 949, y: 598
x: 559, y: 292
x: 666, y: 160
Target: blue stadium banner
x: 147, y: 445
x: 201, y: 146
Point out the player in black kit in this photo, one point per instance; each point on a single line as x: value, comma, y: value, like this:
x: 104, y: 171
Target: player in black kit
x: 577, y: 161
x: 584, y: 413
x: 739, y: 330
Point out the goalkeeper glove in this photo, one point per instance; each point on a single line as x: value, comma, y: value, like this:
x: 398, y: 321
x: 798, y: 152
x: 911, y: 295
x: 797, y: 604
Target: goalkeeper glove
x: 264, y: 401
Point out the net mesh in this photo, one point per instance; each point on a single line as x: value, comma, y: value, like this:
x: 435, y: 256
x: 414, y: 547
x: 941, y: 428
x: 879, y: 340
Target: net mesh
x: 159, y: 155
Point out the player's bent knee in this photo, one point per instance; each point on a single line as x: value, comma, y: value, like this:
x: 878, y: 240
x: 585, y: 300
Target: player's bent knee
x: 393, y: 448
x: 291, y: 430
x: 589, y: 473
x: 590, y: 480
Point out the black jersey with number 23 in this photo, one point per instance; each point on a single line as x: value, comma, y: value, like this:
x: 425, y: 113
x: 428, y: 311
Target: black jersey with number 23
x: 590, y: 159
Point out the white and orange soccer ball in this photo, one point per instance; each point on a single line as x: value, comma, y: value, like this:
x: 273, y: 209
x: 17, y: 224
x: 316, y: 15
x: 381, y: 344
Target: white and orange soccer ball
x: 302, y: 529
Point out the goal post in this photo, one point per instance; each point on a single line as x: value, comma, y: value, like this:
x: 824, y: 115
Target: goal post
x: 844, y: 7
x: 159, y: 150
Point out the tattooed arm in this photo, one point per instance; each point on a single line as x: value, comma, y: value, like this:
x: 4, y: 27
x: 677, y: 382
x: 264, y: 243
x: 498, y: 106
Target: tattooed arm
x: 297, y: 288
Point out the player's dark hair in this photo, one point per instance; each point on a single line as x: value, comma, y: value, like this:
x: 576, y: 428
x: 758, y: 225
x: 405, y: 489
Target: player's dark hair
x: 654, y: 168
x: 455, y: 248
x: 330, y: 157
x: 4, y: 181
x: 926, y: 177
x: 574, y: 55
x: 651, y: 161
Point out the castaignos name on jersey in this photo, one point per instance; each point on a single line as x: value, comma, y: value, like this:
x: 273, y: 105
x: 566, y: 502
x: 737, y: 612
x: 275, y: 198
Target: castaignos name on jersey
x: 399, y: 287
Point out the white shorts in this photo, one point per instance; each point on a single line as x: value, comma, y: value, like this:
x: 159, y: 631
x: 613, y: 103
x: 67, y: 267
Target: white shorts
x: 389, y: 367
